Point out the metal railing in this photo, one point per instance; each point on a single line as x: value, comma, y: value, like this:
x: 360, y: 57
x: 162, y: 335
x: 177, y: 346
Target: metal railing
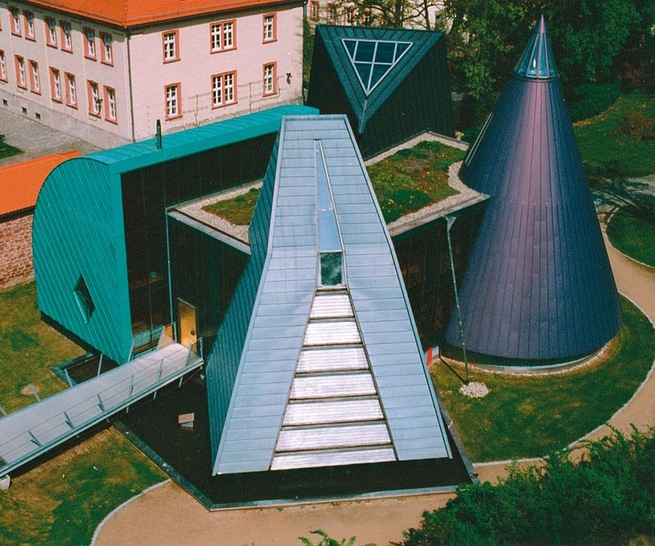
x: 97, y: 406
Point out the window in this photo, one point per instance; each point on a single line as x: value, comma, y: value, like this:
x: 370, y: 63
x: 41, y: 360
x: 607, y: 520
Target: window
x: 84, y: 299
x: 15, y: 21
x: 35, y: 81
x: 90, y: 43
x: 94, y: 98
x: 223, y: 89
x: 223, y: 36
x: 55, y: 85
x: 71, y: 90
x: 29, y: 25
x: 315, y: 7
x: 173, y: 107
x: 171, y: 50
x: 3, y: 66
x: 50, y: 32
x: 270, y: 86
x: 20, y: 72
x: 66, y: 38
x: 348, y: 16
x: 332, y: 13
x: 110, y: 104
x: 107, y: 49
x: 269, y: 28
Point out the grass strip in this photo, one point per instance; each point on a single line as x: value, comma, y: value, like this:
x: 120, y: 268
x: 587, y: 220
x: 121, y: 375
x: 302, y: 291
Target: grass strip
x: 632, y: 236
x: 526, y: 416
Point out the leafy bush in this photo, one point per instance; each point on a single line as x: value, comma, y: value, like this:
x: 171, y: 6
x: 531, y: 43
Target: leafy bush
x: 606, y: 498
x: 637, y: 125
x: 589, y: 100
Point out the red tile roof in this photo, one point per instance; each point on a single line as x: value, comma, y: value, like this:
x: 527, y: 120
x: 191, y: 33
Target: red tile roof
x: 128, y: 13
x: 20, y: 183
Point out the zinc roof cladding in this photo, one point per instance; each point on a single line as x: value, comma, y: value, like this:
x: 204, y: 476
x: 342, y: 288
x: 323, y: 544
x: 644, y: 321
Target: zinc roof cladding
x: 539, y: 284
x: 131, y: 13
x: 289, y: 278
x: 198, y: 139
x: 365, y: 106
x: 20, y: 183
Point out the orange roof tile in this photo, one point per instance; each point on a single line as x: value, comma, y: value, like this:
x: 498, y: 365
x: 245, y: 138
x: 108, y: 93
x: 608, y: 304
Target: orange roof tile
x: 128, y: 13
x: 20, y: 183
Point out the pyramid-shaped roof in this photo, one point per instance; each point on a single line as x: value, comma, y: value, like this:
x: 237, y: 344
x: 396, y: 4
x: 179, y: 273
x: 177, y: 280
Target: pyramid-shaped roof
x: 318, y: 362
x: 372, y: 62
x: 539, y: 284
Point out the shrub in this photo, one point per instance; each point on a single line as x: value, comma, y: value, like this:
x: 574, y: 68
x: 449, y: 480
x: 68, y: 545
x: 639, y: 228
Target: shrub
x: 607, y: 498
x: 589, y: 100
x: 637, y: 125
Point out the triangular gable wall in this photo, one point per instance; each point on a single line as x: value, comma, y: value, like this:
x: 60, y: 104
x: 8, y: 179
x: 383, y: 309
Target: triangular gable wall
x: 288, y: 328
x: 365, y: 105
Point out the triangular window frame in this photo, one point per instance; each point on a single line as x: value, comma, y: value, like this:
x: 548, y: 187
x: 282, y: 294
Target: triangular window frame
x: 371, y: 64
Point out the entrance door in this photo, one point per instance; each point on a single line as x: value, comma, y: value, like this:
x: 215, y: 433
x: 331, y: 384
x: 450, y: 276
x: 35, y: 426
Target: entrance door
x: 187, y: 321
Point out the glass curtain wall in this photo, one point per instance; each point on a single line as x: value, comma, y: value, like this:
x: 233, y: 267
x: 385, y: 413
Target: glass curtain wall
x: 148, y: 192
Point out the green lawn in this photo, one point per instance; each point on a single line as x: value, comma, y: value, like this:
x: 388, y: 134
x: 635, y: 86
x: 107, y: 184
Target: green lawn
x: 413, y: 178
x: 613, y: 146
x: 532, y: 416
x: 62, y: 501
x: 403, y: 183
x: 237, y: 210
x: 28, y: 348
x: 632, y: 236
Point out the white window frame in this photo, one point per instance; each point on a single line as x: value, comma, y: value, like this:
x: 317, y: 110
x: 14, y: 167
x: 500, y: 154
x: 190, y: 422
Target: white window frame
x: 35, y: 80
x: 51, y: 32
x: 3, y: 67
x: 90, y: 43
x: 71, y: 90
x: 30, y: 34
x: 224, y: 89
x: 170, y: 46
x: 269, y: 31
x: 107, y: 48
x: 67, y: 36
x: 173, y: 103
x: 223, y: 36
x: 55, y: 85
x: 21, y: 73
x: 95, y: 104
x: 110, y: 104
x: 270, y: 85
x: 15, y: 22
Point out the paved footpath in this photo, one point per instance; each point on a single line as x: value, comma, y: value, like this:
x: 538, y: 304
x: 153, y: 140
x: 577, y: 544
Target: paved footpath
x: 169, y: 515
x: 35, y: 139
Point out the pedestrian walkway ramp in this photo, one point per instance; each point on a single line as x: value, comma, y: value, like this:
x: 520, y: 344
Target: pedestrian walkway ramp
x: 44, y: 425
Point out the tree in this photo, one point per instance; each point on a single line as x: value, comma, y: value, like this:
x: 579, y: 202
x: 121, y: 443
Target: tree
x: 486, y: 38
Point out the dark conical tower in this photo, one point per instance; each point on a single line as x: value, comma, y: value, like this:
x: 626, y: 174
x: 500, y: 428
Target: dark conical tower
x: 539, y: 284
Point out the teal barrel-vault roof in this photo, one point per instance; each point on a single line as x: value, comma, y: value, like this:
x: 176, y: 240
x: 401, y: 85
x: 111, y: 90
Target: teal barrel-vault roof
x: 318, y: 362
x: 371, y: 63
x: 80, y: 257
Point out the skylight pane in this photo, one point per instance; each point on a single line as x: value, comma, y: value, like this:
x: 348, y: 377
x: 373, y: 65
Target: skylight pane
x: 379, y: 72
x: 364, y: 71
x: 385, y: 52
x: 401, y: 47
x: 350, y: 46
x: 365, y: 51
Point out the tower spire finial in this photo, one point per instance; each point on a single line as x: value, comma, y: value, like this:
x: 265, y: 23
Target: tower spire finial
x: 537, y: 59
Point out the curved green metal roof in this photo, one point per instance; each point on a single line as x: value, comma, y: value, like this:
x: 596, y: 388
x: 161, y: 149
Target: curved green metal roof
x: 192, y: 141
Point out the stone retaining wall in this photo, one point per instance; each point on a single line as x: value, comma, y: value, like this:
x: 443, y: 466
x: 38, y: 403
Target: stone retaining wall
x: 16, y: 263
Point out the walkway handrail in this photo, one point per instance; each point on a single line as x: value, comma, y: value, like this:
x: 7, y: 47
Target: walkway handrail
x: 87, y: 412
